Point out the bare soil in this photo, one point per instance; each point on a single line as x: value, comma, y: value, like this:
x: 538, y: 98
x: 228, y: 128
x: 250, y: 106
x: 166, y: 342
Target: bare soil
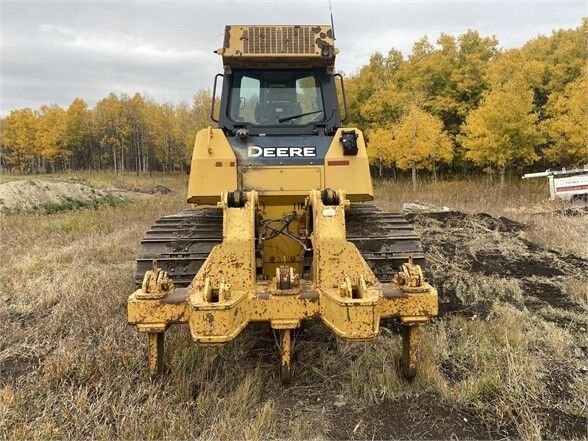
x: 462, y: 248
x: 37, y: 194
x: 420, y: 416
x: 51, y: 196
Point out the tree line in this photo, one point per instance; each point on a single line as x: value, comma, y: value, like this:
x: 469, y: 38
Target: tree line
x: 121, y: 133
x: 461, y: 104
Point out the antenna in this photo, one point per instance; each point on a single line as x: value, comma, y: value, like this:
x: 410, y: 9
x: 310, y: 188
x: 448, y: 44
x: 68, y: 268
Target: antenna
x: 332, y: 23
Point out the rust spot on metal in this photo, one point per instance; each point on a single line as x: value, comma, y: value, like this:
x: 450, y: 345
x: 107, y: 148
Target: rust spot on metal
x: 227, y: 40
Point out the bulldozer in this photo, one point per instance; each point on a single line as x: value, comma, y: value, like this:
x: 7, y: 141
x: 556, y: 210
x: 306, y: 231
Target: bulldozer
x: 280, y: 227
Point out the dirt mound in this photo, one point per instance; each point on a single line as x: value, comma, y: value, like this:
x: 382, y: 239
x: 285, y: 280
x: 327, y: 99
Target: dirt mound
x: 476, y: 259
x: 49, y: 197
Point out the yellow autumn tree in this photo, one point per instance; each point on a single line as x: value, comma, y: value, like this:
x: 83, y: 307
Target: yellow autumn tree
x: 503, y: 131
x: 379, y: 148
x: 109, y: 128
x: 78, y: 131
x: 567, y: 127
x: 51, y: 135
x: 201, y: 104
x: 19, y: 131
x: 419, y: 142
x: 187, y: 133
x: 382, y: 100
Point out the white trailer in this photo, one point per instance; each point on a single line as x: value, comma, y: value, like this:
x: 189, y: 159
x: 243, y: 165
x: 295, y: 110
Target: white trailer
x: 567, y: 185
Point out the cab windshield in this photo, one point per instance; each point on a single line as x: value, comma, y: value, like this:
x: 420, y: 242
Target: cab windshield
x: 270, y: 98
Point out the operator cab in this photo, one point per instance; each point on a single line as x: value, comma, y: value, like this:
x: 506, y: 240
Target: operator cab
x: 272, y: 101
x: 278, y: 80
x: 279, y: 128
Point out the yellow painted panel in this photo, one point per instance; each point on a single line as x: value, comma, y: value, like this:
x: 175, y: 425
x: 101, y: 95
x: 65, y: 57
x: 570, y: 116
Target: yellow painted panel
x: 281, y: 179
x: 349, y: 173
x: 213, y: 169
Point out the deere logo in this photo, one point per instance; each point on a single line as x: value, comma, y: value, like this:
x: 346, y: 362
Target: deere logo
x: 255, y: 151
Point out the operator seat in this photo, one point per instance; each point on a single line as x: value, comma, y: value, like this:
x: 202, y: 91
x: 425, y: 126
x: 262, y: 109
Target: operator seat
x: 279, y: 102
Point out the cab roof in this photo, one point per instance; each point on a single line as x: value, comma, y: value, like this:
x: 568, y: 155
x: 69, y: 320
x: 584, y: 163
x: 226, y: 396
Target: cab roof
x: 258, y: 46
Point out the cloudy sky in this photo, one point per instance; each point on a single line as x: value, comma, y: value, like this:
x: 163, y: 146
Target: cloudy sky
x: 52, y: 52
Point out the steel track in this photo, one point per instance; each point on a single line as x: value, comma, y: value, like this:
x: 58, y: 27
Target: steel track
x: 181, y: 242
x: 385, y: 240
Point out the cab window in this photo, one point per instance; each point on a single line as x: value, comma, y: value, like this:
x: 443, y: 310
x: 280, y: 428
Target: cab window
x: 276, y: 98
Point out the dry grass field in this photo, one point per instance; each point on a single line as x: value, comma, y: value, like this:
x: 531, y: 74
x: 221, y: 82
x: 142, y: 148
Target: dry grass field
x: 507, y: 358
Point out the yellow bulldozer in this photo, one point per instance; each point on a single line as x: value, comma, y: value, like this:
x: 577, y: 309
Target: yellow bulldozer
x: 280, y: 229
